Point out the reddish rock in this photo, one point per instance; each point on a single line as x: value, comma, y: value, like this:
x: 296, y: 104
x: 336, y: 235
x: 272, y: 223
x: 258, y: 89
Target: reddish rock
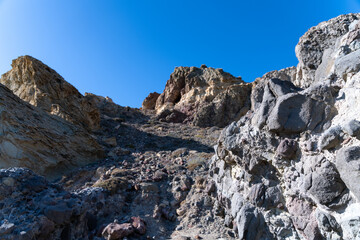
x: 139, y: 225
x: 303, y: 218
x: 115, y: 231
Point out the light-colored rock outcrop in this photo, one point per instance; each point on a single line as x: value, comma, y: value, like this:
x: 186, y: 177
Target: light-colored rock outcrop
x: 32, y: 138
x: 203, y: 96
x: 41, y: 86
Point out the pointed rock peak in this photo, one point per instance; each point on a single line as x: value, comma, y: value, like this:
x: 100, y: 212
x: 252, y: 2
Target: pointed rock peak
x: 41, y: 86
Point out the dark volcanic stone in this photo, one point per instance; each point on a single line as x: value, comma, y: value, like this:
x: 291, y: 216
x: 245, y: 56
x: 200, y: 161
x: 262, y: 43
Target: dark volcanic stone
x: 287, y: 148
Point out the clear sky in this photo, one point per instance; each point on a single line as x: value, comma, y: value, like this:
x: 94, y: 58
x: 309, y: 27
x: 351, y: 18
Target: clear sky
x: 126, y: 49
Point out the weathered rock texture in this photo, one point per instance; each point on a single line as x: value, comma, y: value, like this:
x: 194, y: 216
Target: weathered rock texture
x: 150, y: 101
x: 290, y: 166
x: 33, y: 208
x: 318, y: 47
x: 49, y: 145
x: 41, y: 86
x: 287, y: 167
x: 203, y: 96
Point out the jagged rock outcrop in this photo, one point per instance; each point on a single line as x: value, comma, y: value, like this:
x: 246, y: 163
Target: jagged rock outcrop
x: 49, y: 145
x: 203, y: 96
x: 41, y: 86
x: 318, y: 47
x: 293, y: 160
x: 150, y: 101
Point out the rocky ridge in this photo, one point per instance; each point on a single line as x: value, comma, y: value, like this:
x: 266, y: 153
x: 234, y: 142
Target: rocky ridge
x: 203, y: 96
x: 41, y: 86
x: 285, y: 165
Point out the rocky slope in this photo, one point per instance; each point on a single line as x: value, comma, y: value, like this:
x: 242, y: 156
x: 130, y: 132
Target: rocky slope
x: 285, y: 165
x: 29, y: 137
x: 287, y: 170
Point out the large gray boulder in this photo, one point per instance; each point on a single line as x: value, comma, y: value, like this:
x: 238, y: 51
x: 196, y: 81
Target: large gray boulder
x: 250, y: 224
x: 293, y: 113
x: 264, y: 97
x: 348, y: 164
x: 326, y: 183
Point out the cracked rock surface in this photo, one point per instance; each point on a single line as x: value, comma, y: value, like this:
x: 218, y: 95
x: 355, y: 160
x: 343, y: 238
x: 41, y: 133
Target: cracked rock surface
x: 211, y: 157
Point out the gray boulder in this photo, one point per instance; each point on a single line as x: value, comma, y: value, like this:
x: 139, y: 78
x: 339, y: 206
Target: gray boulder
x: 327, y: 222
x: 349, y: 63
x: 352, y: 128
x: 295, y: 113
x: 326, y: 183
x: 348, y: 165
x: 250, y: 224
x: 270, y: 90
x: 331, y: 138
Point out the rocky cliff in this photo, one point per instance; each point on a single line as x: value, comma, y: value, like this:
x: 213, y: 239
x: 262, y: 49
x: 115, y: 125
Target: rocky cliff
x: 285, y: 166
x: 287, y: 170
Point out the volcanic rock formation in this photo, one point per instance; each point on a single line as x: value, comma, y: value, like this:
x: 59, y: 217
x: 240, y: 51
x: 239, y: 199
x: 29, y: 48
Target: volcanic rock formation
x: 286, y: 163
x: 288, y: 169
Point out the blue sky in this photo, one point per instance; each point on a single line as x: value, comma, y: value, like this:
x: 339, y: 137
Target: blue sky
x: 126, y: 49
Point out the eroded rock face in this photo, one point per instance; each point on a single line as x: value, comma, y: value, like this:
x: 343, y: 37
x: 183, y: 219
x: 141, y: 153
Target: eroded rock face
x: 317, y: 45
x: 49, y: 145
x: 294, y: 157
x: 41, y: 86
x: 204, y: 96
x: 150, y: 101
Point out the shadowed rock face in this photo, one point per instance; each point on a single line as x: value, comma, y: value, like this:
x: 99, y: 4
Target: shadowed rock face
x: 41, y: 86
x: 205, y: 96
x: 49, y: 145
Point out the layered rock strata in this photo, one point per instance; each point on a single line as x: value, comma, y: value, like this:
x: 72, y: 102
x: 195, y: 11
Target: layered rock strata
x: 49, y: 145
x: 41, y: 86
